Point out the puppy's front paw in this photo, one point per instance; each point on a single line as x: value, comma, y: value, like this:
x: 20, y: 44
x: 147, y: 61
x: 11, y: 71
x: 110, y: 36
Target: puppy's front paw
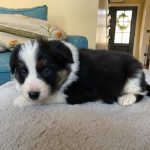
x: 20, y: 101
x: 127, y: 100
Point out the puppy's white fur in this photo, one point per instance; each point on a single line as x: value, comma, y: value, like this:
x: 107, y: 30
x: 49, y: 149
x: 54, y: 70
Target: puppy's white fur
x: 133, y: 87
x: 133, y: 84
x: 74, y: 67
x: 127, y: 99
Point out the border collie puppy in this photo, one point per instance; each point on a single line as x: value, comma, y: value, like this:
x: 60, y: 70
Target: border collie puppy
x: 57, y: 72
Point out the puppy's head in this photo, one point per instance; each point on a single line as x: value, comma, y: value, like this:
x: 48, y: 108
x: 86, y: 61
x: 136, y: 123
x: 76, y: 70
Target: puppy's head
x: 41, y: 67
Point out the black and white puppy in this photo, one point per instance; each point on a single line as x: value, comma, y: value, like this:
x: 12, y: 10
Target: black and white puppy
x: 57, y: 72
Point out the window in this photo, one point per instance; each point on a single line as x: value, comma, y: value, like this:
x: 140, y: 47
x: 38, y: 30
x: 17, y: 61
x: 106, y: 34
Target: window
x: 123, y: 26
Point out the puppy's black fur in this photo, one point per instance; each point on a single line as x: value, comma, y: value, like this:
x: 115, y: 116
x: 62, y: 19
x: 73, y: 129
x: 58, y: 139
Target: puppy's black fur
x: 102, y: 74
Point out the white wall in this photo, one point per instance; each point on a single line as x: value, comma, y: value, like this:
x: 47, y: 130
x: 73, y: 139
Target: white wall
x: 76, y: 17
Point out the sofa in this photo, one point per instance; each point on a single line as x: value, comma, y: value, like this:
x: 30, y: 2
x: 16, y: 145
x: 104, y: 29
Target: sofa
x: 39, y: 12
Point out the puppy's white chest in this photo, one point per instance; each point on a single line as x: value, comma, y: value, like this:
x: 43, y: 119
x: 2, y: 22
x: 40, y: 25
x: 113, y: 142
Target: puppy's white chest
x: 57, y: 98
x: 20, y: 101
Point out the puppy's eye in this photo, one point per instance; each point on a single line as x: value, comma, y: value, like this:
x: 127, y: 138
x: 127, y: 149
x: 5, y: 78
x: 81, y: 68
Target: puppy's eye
x: 22, y: 72
x: 46, y: 72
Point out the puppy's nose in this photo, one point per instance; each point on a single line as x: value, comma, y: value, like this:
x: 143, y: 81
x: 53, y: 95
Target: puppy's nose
x: 34, y: 95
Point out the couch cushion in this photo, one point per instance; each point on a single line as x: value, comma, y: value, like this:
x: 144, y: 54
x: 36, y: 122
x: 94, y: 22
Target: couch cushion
x: 78, y: 41
x: 39, y: 12
x: 4, y: 67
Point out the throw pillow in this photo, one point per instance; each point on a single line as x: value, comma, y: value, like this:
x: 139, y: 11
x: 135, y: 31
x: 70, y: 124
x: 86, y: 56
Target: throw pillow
x: 39, y: 12
x: 29, y: 27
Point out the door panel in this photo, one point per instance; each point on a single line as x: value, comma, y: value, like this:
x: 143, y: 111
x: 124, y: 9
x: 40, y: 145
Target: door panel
x: 122, y: 28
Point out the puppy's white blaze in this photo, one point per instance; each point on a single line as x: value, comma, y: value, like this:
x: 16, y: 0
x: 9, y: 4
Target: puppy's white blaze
x: 28, y: 54
x: 74, y: 67
x: 133, y: 84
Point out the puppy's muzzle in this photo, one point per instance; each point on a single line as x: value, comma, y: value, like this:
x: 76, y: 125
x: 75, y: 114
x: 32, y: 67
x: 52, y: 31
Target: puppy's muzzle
x: 34, y: 95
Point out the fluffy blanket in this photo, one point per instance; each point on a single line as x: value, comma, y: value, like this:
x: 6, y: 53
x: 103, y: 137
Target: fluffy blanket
x: 91, y: 126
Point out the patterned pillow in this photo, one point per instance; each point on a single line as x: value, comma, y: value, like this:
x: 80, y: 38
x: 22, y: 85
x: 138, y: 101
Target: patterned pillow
x: 8, y: 41
x: 39, y: 12
x: 29, y: 27
x: 2, y: 49
x: 15, y: 29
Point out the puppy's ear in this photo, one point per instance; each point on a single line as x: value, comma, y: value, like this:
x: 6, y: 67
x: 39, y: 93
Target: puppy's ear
x: 62, y: 53
x: 13, y: 58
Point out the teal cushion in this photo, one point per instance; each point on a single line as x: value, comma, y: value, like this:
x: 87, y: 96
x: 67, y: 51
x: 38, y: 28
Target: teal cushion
x: 78, y: 41
x: 39, y: 12
x: 4, y: 67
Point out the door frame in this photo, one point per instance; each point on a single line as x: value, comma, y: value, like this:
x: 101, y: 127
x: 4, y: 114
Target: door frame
x: 143, y: 34
x: 137, y: 22
x: 131, y: 43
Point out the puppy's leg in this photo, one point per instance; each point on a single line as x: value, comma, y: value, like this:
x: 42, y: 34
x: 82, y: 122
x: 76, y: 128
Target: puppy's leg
x: 20, y: 101
x: 134, y: 90
x: 127, y: 99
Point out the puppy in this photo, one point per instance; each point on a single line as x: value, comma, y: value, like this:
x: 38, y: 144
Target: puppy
x: 57, y: 72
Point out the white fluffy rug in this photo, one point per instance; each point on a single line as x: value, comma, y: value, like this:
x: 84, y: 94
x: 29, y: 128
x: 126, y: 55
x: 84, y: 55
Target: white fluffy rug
x: 91, y: 126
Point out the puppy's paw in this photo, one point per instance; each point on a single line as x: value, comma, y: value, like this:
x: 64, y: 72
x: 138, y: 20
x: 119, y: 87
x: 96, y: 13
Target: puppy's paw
x: 20, y: 101
x: 126, y: 100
